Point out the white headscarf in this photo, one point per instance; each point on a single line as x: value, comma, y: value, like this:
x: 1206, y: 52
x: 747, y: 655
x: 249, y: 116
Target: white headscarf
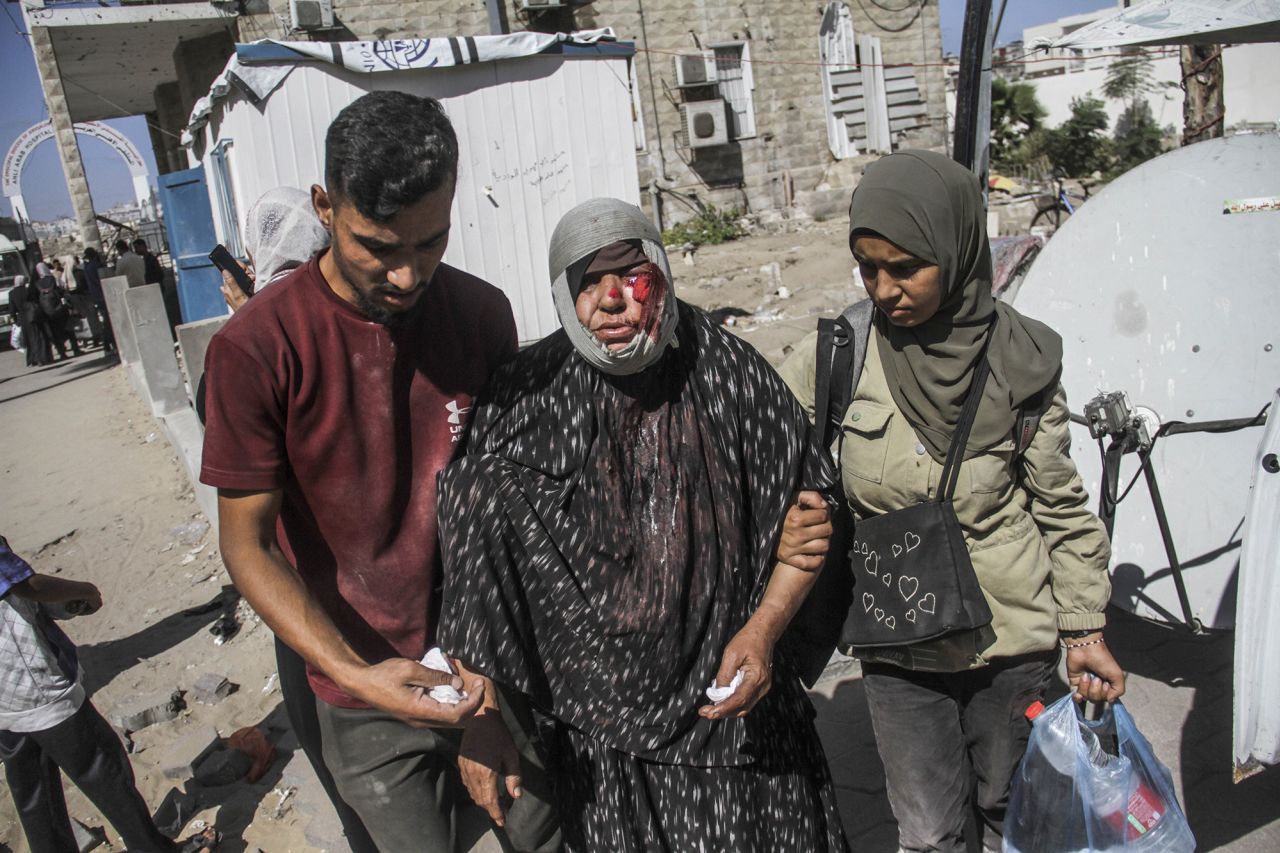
x: 282, y: 232
x: 43, y: 269
x: 582, y: 232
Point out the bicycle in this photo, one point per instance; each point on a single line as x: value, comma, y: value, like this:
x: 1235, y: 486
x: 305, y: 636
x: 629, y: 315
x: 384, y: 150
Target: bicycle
x: 1057, y: 209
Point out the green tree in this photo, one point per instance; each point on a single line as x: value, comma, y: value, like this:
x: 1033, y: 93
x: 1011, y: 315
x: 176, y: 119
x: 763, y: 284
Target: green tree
x: 1130, y: 78
x: 1137, y: 138
x: 1015, y: 114
x: 1079, y: 146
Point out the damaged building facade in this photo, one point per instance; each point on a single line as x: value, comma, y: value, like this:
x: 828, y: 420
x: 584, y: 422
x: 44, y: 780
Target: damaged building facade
x: 745, y: 104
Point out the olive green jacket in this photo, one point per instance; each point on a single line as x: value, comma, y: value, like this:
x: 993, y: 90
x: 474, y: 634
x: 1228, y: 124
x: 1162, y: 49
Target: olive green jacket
x: 1039, y: 553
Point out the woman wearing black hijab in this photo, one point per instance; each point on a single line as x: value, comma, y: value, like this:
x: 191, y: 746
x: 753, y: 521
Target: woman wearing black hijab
x: 949, y: 713
x: 609, y: 545
x: 26, y: 313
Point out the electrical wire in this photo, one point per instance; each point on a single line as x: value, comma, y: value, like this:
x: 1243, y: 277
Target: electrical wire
x: 872, y: 18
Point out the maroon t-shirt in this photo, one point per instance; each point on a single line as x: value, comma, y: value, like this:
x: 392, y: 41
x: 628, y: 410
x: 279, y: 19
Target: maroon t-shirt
x: 353, y: 420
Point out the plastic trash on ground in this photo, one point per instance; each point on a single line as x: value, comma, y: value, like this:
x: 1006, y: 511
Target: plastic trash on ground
x: 1093, y: 786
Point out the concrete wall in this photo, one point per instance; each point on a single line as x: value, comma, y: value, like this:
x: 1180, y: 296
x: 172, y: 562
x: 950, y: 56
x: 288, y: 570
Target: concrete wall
x: 1249, y: 78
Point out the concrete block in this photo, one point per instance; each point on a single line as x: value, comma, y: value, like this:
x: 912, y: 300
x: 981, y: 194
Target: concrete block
x: 185, y: 434
x: 193, y: 343
x: 142, y: 711
x: 211, y: 688
x: 180, y: 759
x: 150, y: 321
x: 114, y: 289
x: 223, y: 767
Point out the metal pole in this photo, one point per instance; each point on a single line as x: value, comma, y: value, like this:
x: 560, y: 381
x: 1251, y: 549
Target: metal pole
x: 974, y: 44
x: 1175, y: 568
x: 497, y: 16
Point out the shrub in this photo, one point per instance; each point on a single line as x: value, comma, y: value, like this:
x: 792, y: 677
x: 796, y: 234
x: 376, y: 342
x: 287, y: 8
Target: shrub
x: 710, y: 227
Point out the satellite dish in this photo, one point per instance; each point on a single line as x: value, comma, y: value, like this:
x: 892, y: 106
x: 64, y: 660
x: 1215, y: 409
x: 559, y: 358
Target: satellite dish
x: 1166, y: 286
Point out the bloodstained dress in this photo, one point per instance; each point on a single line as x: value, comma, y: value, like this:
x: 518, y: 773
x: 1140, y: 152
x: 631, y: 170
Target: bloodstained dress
x: 604, y: 540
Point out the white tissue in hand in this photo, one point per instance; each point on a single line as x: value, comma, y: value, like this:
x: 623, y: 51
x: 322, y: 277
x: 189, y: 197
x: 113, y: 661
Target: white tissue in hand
x: 444, y: 694
x: 719, y: 694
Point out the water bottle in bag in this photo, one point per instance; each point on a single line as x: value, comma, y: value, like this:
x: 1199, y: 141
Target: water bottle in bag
x: 1071, y: 794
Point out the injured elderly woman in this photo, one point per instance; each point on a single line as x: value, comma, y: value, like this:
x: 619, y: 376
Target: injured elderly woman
x: 609, y: 543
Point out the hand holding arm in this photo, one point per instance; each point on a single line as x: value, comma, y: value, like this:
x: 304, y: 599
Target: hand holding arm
x: 806, y: 532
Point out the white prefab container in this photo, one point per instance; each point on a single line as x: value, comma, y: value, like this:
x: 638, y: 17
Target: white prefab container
x: 537, y: 135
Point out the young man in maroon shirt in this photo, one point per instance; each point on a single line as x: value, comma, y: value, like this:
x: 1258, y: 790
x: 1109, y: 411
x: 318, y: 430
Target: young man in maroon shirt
x: 334, y: 398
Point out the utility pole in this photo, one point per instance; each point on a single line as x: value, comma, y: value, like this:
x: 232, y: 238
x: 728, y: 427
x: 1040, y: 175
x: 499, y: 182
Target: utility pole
x: 973, y: 91
x: 1203, y: 113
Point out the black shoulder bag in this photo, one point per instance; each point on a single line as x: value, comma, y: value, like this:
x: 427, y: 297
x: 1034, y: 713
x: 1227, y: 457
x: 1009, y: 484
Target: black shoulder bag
x: 915, y: 580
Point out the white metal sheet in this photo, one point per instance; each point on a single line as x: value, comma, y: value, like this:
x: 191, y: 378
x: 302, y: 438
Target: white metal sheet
x: 537, y: 135
x: 1160, y: 294
x: 1257, y: 652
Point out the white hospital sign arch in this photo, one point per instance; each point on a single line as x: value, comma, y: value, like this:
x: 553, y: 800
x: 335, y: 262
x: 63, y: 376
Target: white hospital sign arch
x: 15, y: 161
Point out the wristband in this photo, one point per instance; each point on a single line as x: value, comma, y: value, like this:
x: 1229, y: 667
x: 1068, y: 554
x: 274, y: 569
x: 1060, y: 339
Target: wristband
x: 1078, y: 635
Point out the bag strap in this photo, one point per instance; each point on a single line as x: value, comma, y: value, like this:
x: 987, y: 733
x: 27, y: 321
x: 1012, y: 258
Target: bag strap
x: 960, y: 438
x: 1029, y: 415
x: 842, y: 350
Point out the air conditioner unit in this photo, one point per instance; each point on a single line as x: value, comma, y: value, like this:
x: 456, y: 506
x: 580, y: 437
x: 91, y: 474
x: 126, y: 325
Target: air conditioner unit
x: 541, y: 5
x: 706, y: 123
x: 698, y: 69
x: 311, y: 14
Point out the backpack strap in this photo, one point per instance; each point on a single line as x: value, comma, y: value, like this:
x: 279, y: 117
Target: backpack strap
x: 1029, y: 415
x: 842, y: 350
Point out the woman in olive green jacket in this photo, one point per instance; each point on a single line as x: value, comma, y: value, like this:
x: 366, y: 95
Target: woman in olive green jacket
x: 949, y: 713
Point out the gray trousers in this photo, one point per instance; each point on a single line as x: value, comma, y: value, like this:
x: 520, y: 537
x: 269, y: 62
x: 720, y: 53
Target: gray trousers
x: 405, y: 785
x: 950, y: 743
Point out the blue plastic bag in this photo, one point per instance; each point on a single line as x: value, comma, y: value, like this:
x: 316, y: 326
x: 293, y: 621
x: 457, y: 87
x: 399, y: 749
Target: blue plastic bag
x: 1092, y: 785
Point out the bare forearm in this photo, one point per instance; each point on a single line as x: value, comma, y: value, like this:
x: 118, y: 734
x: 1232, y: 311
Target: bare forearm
x: 276, y: 592
x: 50, y: 590
x: 786, y: 591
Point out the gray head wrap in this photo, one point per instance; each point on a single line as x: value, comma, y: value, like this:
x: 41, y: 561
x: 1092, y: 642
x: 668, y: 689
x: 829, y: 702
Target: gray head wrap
x: 282, y: 232
x: 43, y: 269
x: 583, y: 231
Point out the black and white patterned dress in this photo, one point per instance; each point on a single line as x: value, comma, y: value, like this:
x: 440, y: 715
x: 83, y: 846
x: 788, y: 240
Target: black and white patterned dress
x: 604, y: 538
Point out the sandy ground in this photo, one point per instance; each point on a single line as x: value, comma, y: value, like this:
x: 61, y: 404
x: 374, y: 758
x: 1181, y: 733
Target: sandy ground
x: 93, y: 491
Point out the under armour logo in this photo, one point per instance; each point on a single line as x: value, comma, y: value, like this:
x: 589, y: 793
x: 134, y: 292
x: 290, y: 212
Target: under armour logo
x: 456, y: 411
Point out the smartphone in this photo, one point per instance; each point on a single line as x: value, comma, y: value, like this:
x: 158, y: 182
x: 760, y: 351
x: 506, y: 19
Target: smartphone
x: 223, y: 260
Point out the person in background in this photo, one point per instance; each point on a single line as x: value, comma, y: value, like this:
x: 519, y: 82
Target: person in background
x: 949, y: 713
x: 334, y: 399
x: 153, y: 273
x: 281, y: 233
x: 130, y: 265
x: 93, y: 267
x: 54, y: 315
x: 26, y: 313
x: 82, y: 301
x: 48, y: 725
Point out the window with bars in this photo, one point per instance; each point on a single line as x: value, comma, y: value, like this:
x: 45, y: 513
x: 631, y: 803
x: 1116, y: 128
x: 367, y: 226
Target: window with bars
x: 733, y: 71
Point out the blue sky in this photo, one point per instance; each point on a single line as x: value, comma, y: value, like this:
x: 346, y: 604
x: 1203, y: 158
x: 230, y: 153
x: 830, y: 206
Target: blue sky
x: 44, y: 188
